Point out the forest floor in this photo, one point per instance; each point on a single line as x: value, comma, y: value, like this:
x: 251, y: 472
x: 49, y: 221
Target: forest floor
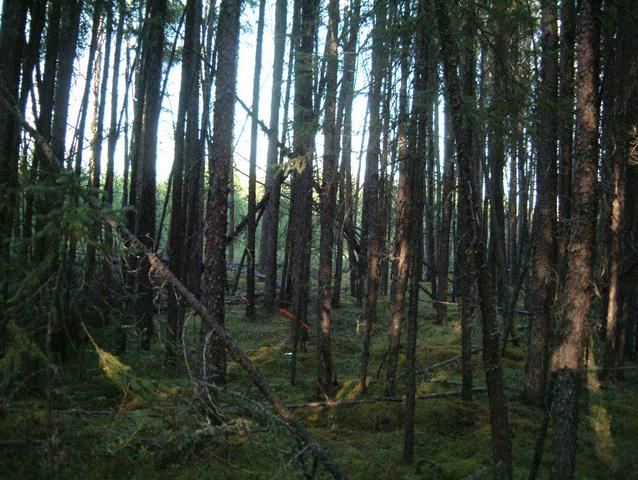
x: 152, y: 427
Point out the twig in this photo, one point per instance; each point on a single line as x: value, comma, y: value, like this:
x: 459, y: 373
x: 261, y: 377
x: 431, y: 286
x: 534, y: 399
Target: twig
x: 456, y: 358
x: 363, y: 401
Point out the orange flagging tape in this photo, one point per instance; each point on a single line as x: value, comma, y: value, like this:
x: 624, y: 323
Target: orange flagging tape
x: 288, y: 314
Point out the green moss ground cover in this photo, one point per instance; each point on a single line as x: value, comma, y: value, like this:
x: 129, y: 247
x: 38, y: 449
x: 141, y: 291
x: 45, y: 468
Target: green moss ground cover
x: 145, y: 422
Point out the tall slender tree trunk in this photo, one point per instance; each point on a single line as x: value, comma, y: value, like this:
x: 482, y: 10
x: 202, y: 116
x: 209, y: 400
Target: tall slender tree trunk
x: 301, y: 184
x: 543, y: 277
x: 270, y: 223
x: 621, y: 125
x: 566, y: 127
x: 465, y: 234
x: 403, y: 237
x: 447, y: 206
x: 145, y: 201
x: 328, y: 203
x: 499, y: 416
x: 11, y: 44
x: 220, y: 169
x: 626, y: 343
x: 113, y: 137
x: 371, y: 232
x: 568, y: 357
x: 32, y: 57
x: 346, y: 98
x: 98, y: 125
x: 185, y: 143
x: 251, y: 226
x: 418, y: 146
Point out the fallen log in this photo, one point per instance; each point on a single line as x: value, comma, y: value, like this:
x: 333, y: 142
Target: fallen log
x: 246, y: 364
x: 363, y: 401
x: 166, y: 276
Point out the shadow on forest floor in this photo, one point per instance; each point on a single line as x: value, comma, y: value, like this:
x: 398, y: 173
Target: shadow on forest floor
x: 105, y: 432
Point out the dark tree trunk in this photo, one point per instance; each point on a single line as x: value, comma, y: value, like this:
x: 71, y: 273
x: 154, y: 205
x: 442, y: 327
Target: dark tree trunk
x: 447, y: 206
x: 11, y: 44
x: 97, y: 127
x: 270, y: 223
x: 626, y: 345
x: 300, y: 220
x: 251, y: 225
x: 543, y: 277
x: 465, y: 234
x: 37, y: 9
x: 112, y: 144
x: 70, y: 22
x: 371, y: 233
x: 499, y: 417
x: 145, y: 201
x: 183, y: 155
x: 346, y: 98
x: 328, y: 203
x: 568, y: 357
x: 418, y: 146
x: 403, y: 238
x: 220, y: 169
x: 622, y: 123
x: 32, y: 57
x: 90, y: 71
x: 565, y: 126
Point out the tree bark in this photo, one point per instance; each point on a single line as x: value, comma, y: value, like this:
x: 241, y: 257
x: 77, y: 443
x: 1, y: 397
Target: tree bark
x: 499, y: 417
x: 251, y: 226
x: 420, y: 116
x: 543, y: 277
x: 568, y: 357
x: 346, y: 98
x: 371, y: 232
x: 403, y: 237
x: 220, y: 170
x: 301, y: 183
x: 566, y: 127
x: 183, y: 155
x: 447, y: 206
x: 145, y: 201
x: 97, y: 134
x: 270, y: 224
x: 328, y: 204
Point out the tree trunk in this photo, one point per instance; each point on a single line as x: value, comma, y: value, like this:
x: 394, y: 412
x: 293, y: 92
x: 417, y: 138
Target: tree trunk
x: 252, y: 175
x: 346, y: 98
x: 543, y: 278
x: 499, y: 417
x: 112, y: 144
x: 447, y: 206
x: 568, y: 357
x: 328, y: 204
x: 465, y: 234
x: 183, y: 155
x: 566, y: 127
x: 97, y: 128
x: 270, y: 224
x: 301, y: 185
x: 220, y: 169
x: 418, y: 146
x: 403, y: 237
x: 145, y: 201
x: 371, y: 232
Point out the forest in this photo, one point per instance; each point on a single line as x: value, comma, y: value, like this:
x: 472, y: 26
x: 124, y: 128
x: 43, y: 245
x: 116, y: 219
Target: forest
x: 378, y: 239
